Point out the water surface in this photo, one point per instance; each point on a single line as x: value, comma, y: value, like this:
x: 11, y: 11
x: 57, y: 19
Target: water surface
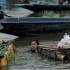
x: 25, y: 60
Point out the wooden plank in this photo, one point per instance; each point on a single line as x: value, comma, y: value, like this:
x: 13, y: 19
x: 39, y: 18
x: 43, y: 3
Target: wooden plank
x: 52, y: 51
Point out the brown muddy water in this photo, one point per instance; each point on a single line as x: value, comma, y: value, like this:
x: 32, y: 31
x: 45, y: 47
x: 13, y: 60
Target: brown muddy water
x: 24, y: 60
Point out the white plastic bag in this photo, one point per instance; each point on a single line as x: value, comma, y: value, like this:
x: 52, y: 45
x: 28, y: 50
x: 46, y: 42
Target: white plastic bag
x: 64, y: 42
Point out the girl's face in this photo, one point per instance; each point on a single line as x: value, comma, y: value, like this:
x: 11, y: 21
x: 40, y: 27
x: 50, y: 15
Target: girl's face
x: 34, y: 45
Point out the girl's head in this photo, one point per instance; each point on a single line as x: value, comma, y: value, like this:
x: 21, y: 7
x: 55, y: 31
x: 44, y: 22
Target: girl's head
x: 34, y: 44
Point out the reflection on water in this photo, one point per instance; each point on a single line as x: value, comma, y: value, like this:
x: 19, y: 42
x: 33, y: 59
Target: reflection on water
x: 25, y: 60
x: 4, y: 68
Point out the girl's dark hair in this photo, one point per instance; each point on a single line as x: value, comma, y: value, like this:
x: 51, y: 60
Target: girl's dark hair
x: 36, y: 41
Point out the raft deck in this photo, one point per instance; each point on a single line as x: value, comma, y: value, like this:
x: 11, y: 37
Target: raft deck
x: 52, y: 52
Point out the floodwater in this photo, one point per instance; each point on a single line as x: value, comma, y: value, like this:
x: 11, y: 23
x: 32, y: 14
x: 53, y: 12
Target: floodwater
x: 25, y: 60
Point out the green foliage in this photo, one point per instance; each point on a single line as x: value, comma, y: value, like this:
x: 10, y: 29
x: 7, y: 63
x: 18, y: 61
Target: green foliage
x: 53, y: 14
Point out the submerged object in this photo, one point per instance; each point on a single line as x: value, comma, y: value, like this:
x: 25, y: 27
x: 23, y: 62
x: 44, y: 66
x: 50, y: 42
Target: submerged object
x: 7, y: 50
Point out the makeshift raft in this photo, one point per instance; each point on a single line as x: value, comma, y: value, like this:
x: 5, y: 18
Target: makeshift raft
x: 52, y: 52
x: 7, y: 48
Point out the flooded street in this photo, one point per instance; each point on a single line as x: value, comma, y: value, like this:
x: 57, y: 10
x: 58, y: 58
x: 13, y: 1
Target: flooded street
x: 25, y: 60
